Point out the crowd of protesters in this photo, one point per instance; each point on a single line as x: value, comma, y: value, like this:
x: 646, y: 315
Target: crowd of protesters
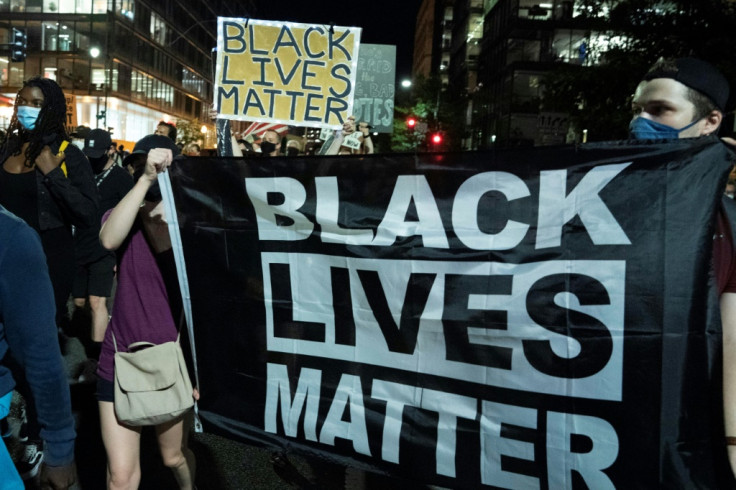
x: 77, y: 212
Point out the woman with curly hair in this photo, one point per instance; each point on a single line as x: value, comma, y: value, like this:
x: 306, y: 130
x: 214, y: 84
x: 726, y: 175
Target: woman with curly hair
x: 45, y: 180
x: 48, y: 183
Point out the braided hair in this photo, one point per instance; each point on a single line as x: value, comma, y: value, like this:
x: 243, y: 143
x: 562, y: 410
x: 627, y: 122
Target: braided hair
x: 49, y: 125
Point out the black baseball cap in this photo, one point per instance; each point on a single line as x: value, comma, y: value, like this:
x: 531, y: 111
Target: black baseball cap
x: 700, y: 76
x: 96, y: 143
x: 148, y: 143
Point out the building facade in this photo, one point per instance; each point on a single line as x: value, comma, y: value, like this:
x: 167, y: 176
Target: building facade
x: 522, y: 40
x: 433, y: 39
x: 124, y: 64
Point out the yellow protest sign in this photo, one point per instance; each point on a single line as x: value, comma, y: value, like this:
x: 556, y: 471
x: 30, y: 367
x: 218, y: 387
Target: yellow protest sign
x: 71, y: 112
x: 283, y: 72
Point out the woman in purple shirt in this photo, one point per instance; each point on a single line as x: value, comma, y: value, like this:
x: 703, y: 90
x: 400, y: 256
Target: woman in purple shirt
x: 142, y: 311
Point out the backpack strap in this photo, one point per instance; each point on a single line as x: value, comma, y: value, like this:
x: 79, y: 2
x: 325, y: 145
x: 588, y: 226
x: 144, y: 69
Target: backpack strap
x: 62, y: 147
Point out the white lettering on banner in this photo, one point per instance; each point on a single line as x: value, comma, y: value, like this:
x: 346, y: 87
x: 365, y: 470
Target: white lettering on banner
x: 556, y: 209
x: 505, y: 325
x: 495, y: 446
x: 293, y: 197
x: 560, y: 429
x: 408, y: 189
x: 465, y: 216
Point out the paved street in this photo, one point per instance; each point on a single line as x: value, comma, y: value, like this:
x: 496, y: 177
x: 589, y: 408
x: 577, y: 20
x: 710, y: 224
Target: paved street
x: 222, y: 464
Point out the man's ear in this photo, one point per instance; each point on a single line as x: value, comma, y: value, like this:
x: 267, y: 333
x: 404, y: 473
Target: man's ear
x: 712, y: 122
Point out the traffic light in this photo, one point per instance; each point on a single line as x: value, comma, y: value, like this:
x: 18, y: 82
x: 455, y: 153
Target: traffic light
x: 18, y: 45
x: 411, y: 122
x: 437, y: 138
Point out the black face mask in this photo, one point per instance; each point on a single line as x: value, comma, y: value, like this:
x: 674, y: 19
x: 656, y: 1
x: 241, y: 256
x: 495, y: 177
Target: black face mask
x: 98, y: 164
x: 292, y: 152
x: 267, y: 147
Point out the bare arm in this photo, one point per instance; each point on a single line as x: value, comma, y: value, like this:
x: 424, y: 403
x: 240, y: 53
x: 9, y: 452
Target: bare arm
x: 122, y: 217
x: 728, y: 318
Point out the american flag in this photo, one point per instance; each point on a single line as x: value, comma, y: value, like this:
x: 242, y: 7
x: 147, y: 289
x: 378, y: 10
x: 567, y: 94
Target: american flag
x: 260, y: 128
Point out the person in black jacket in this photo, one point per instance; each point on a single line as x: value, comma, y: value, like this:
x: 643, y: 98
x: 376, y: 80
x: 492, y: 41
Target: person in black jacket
x: 95, y: 265
x: 51, y: 188
x: 48, y: 183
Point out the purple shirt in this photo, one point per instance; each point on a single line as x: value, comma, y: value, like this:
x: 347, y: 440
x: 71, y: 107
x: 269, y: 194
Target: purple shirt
x: 141, y: 309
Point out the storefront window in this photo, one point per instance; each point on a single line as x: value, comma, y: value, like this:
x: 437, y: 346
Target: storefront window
x: 34, y: 35
x: 16, y: 74
x: 49, y: 67
x: 49, y: 36
x: 84, y: 6
x: 82, y: 42
x: 65, y: 73
x: 17, y: 5
x: 158, y: 28
x: 66, y: 35
x: 60, y: 6
x: 98, y: 79
x: 4, y: 70
x: 126, y: 8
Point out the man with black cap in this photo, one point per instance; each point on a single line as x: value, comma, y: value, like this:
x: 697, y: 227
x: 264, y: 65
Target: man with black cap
x: 686, y: 98
x: 95, y: 265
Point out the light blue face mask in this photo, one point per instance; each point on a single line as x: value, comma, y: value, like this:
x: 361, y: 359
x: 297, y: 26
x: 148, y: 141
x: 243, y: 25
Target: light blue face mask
x: 646, y: 129
x: 27, y: 116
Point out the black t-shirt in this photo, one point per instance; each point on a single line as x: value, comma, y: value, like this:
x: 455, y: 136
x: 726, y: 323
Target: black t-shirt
x: 18, y: 195
x: 112, y: 186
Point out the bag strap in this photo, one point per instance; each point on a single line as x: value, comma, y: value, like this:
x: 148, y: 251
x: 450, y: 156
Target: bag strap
x: 139, y: 344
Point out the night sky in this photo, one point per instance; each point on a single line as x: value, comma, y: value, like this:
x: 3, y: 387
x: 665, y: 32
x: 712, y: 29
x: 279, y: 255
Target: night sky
x: 383, y: 21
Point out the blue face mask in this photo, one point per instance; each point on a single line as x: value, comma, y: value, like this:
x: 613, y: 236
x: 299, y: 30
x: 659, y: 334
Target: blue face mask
x: 27, y: 116
x: 646, y: 129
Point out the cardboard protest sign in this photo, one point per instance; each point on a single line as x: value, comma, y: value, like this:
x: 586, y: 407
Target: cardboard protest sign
x: 282, y: 72
x: 376, y: 86
x: 71, y: 112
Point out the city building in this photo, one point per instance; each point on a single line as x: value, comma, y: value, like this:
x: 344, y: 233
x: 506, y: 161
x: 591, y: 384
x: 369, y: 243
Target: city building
x: 124, y: 64
x: 433, y: 39
x: 522, y: 40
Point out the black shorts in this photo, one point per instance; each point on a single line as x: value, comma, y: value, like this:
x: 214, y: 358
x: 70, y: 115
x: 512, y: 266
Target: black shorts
x: 105, y: 390
x: 94, y: 279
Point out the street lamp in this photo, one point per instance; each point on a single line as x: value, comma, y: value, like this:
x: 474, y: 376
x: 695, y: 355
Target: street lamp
x: 94, y: 51
x: 406, y: 83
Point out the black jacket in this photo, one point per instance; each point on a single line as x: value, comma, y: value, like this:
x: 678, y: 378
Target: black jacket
x: 67, y: 199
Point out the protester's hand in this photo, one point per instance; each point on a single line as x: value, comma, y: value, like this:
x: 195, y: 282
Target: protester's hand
x: 213, y: 112
x: 158, y: 161
x: 47, y: 161
x: 195, y: 394
x: 58, y: 477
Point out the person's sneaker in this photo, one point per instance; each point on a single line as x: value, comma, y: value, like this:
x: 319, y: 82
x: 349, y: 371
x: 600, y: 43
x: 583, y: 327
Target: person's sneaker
x: 30, y: 462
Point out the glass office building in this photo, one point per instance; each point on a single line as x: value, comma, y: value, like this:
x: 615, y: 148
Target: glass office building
x: 124, y: 64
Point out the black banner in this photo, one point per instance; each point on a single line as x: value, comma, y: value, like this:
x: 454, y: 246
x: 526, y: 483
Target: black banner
x: 535, y: 318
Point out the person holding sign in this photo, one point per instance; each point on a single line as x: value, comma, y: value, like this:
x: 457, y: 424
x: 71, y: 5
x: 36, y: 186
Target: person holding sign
x: 147, y: 302
x: 686, y: 98
x: 346, y: 141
